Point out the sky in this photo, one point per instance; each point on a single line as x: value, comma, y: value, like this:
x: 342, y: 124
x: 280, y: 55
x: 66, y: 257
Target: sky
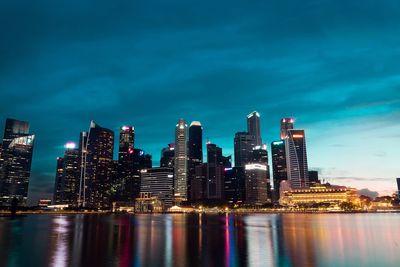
x: 332, y: 65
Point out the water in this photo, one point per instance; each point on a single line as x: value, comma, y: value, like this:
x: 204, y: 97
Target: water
x: 201, y: 240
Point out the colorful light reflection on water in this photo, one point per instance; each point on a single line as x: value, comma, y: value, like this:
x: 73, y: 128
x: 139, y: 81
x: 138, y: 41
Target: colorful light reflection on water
x: 201, y: 240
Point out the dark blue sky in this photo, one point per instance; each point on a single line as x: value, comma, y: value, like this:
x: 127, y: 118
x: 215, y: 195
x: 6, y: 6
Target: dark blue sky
x: 333, y: 65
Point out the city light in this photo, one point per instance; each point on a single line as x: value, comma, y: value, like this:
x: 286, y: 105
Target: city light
x: 255, y: 166
x: 70, y: 145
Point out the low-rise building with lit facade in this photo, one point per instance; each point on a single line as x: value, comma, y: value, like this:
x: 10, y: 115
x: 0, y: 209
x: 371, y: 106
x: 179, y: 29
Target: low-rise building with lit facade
x: 318, y: 194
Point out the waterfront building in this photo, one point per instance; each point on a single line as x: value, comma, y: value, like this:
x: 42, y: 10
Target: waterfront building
x: 296, y: 159
x: 57, y: 194
x: 181, y: 159
x: 160, y: 183
x: 253, y: 127
x: 69, y: 187
x: 256, y: 184
x: 16, y: 160
x: 146, y: 203
x: 199, y: 184
x: 328, y: 194
x: 398, y: 187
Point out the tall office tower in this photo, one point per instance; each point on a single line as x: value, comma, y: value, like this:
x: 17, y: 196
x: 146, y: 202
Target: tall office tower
x: 160, y: 183
x: 141, y: 161
x: 234, y: 185
x: 99, y: 163
x: 83, y: 137
x: 278, y: 166
x: 71, y: 175
x: 256, y: 184
x: 57, y: 195
x: 125, y: 161
x: 253, y: 127
x: 167, y: 156
x: 215, y: 171
x: 180, y: 172
x: 260, y: 155
x: 286, y: 124
x: 195, y: 151
x: 227, y: 161
x: 16, y: 158
x: 243, y: 148
x: 199, y: 183
x: 296, y: 159
x: 313, y: 177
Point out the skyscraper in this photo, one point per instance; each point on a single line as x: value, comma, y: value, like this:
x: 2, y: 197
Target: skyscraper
x: 199, y: 187
x: 260, y: 156
x: 234, y: 185
x: 215, y: 171
x: 313, y: 177
x: 278, y: 165
x: 296, y: 159
x: 286, y: 124
x: 243, y: 148
x: 160, y: 183
x: 398, y: 187
x: 256, y: 184
x: 195, y: 150
x: 16, y: 159
x: 253, y: 127
x: 125, y: 171
x: 167, y: 156
x: 98, y: 167
x: 181, y: 156
x: 57, y: 194
x: 71, y: 175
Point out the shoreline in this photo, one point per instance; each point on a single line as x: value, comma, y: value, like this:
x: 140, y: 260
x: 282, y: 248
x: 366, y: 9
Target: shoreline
x: 26, y: 213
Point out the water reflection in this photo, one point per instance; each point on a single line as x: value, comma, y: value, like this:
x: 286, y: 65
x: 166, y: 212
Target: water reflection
x: 201, y: 240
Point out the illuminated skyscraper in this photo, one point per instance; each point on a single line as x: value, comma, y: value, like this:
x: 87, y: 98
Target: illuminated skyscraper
x: 278, y: 165
x: 256, y: 184
x: 296, y: 159
x: 66, y: 187
x: 260, y: 156
x: 126, y: 172
x: 160, y: 183
x: 243, y: 148
x: 286, y: 124
x: 195, y: 150
x: 16, y: 159
x: 99, y: 163
x: 253, y: 127
x: 181, y: 158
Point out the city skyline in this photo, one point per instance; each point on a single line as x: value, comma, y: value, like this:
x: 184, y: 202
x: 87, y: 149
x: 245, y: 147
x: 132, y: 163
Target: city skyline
x: 132, y: 64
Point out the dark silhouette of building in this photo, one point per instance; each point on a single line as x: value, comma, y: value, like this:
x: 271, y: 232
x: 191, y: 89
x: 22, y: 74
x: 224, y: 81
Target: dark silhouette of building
x: 234, y: 185
x: 195, y: 151
x: 398, y: 187
x: 141, y: 161
x: 16, y: 160
x: 199, y: 187
x: 167, y: 156
x: 278, y: 166
x: 215, y: 170
x: 243, y: 148
x: 57, y: 195
x: 253, y: 127
x: 313, y: 177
